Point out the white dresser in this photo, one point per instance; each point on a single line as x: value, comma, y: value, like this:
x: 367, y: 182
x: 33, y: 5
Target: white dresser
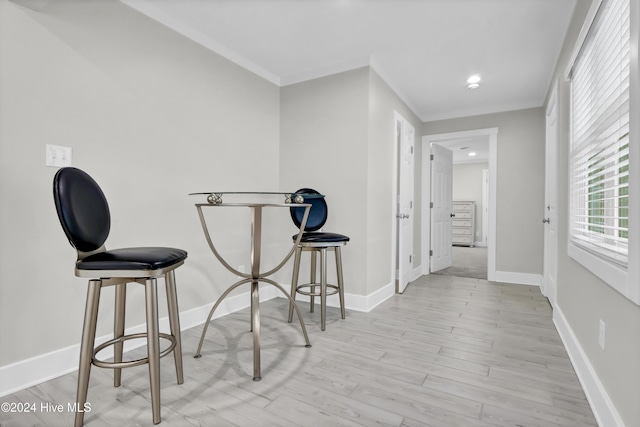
x: 463, y: 223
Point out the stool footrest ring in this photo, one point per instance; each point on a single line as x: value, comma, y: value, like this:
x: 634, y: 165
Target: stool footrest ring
x: 331, y: 289
x: 129, y: 363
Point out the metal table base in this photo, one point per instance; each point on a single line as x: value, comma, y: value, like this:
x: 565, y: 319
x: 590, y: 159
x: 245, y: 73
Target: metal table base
x: 255, y: 277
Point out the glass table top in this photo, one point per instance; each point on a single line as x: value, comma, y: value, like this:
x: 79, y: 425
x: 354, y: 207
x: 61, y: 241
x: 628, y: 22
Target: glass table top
x: 215, y: 197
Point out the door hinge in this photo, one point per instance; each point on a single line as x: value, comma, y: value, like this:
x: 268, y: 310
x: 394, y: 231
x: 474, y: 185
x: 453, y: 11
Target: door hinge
x: 430, y: 252
x: 432, y: 157
x: 431, y: 205
x: 411, y: 150
x: 410, y: 258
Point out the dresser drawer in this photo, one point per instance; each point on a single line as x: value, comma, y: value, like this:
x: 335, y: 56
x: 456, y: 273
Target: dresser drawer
x: 462, y: 215
x: 464, y: 240
x: 462, y: 206
x: 461, y: 222
x: 462, y: 231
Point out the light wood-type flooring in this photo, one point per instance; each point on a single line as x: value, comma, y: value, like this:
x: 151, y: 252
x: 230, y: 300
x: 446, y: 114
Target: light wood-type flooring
x: 450, y: 351
x: 467, y: 262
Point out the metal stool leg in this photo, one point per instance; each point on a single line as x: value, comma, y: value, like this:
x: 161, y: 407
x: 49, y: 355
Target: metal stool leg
x: 313, y: 277
x: 294, y: 281
x: 323, y: 287
x: 153, y: 345
x: 174, y: 322
x: 86, y: 347
x: 340, y: 279
x: 118, y: 330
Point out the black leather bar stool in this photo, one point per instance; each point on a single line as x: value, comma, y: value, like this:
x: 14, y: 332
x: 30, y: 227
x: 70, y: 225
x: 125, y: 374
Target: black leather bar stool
x: 317, y: 242
x: 85, y: 218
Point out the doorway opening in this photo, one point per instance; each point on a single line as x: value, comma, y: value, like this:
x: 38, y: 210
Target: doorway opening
x: 474, y: 235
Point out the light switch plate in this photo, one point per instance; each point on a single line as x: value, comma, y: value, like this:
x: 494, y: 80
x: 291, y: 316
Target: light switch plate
x: 58, y: 156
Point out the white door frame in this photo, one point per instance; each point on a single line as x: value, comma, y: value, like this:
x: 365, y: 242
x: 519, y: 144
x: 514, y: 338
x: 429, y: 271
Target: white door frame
x: 550, y: 267
x: 492, y: 135
x: 485, y: 206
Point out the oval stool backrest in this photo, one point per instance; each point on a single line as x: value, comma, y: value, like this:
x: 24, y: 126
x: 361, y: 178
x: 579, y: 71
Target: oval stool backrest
x: 317, y: 214
x: 82, y: 209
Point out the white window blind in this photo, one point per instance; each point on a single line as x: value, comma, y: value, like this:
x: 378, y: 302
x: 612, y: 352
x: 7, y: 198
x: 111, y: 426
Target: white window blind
x: 600, y: 135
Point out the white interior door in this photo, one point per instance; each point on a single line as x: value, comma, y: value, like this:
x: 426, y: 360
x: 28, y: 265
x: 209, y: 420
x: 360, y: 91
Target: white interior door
x: 550, y: 218
x: 441, y: 209
x: 405, y: 134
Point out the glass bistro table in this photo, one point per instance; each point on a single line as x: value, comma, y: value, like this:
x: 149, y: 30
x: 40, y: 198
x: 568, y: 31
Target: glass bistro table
x: 214, y: 199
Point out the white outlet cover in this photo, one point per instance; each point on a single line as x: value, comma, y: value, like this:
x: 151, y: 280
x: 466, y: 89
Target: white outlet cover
x: 58, y: 156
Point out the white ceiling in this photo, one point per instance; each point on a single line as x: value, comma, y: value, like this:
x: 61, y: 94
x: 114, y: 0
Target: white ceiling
x: 424, y: 49
x: 461, y: 148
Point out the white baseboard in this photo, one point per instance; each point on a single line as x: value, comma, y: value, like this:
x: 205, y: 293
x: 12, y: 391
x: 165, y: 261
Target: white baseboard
x: 603, y: 408
x: 416, y: 273
x: 29, y: 372
x: 517, y: 278
x: 35, y: 370
x: 363, y: 303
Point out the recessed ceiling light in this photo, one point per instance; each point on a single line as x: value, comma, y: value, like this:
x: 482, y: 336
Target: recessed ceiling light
x: 474, y: 79
x: 473, y: 153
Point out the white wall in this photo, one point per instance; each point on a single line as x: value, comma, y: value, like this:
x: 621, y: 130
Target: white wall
x: 152, y: 116
x: 323, y: 142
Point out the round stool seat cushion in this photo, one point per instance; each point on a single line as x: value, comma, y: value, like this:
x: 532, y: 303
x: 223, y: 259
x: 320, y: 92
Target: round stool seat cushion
x: 322, y: 237
x: 146, y: 258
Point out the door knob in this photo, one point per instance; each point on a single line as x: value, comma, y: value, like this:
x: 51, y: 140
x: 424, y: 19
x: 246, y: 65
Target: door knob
x: 545, y: 220
x: 452, y: 215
